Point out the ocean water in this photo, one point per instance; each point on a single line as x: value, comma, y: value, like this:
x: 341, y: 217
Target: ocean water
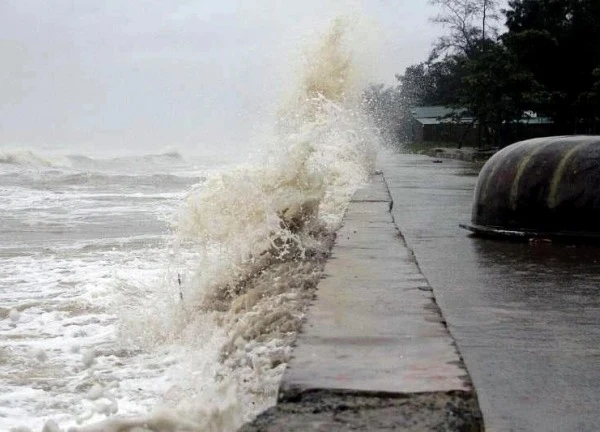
x: 162, y: 291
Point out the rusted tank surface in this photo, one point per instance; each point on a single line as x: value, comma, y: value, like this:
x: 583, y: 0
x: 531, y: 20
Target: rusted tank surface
x: 544, y: 187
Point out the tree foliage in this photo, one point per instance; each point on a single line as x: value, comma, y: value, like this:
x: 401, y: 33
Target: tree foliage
x: 559, y: 42
x: 468, y: 22
x: 432, y: 83
x: 498, y: 90
x: 387, y: 111
x: 548, y: 62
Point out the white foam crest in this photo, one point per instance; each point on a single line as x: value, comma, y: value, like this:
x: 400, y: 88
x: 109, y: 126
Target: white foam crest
x: 133, y: 164
x: 168, y: 161
x: 26, y: 157
x: 251, y: 247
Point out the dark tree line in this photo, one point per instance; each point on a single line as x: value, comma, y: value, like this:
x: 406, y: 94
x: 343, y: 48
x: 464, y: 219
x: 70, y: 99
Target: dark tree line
x: 547, y: 61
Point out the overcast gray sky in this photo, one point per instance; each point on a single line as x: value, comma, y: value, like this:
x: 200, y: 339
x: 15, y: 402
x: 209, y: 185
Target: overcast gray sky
x: 187, y: 74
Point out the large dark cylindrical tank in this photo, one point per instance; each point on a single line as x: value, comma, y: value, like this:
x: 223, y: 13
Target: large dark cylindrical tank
x: 544, y: 187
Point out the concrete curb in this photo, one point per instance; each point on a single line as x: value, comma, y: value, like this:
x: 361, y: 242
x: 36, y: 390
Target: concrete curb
x: 374, y: 353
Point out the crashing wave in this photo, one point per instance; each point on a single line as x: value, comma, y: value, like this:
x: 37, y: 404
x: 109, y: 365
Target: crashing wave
x: 260, y: 235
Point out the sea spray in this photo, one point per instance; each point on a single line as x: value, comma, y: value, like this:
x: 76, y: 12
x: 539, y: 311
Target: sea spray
x: 255, y: 239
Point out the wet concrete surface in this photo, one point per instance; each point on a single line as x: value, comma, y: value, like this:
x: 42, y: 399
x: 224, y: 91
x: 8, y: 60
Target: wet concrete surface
x: 526, y: 316
x: 374, y: 352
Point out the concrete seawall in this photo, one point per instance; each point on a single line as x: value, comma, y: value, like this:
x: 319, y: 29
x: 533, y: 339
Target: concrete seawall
x: 374, y: 352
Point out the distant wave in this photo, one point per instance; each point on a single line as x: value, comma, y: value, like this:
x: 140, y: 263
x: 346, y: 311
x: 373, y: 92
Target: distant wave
x: 135, y: 181
x: 30, y: 158
x: 162, y: 159
x: 172, y: 154
x: 25, y: 157
x: 166, y: 156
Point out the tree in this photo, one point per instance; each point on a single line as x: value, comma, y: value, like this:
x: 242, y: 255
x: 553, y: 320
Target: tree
x: 415, y: 86
x: 386, y: 110
x: 470, y: 22
x: 547, y: 62
x: 559, y: 42
x: 432, y: 82
x: 497, y: 90
x: 426, y: 83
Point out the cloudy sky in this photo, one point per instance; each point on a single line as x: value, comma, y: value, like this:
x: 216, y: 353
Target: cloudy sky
x: 152, y: 74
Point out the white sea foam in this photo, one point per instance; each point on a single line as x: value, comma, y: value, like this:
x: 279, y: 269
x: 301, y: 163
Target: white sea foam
x: 64, y: 342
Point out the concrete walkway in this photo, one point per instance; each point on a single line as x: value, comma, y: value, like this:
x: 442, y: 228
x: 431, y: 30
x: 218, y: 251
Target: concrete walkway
x: 526, y: 316
x: 374, y: 353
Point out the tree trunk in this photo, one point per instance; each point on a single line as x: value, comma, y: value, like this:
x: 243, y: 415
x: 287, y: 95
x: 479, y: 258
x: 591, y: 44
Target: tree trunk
x: 483, y: 24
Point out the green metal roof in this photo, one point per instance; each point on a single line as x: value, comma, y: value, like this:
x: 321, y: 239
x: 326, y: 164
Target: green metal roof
x: 439, y: 114
x: 429, y: 115
x: 435, y: 112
